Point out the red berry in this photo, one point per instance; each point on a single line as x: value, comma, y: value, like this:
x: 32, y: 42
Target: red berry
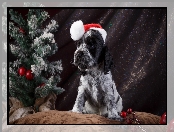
x: 163, y: 119
x: 129, y: 111
x: 42, y: 84
x: 21, y: 30
x: 129, y: 121
x: 123, y: 114
x: 21, y: 71
x: 29, y: 75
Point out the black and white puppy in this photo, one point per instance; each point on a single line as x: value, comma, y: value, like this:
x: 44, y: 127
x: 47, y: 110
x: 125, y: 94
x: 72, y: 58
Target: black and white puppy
x: 97, y: 92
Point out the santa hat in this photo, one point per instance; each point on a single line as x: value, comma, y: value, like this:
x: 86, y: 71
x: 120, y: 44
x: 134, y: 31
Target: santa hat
x: 78, y: 29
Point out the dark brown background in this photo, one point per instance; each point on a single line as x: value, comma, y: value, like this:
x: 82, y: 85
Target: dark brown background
x: 137, y: 41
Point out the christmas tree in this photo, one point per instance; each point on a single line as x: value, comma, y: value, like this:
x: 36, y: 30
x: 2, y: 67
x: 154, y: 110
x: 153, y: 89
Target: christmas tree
x: 32, y: 76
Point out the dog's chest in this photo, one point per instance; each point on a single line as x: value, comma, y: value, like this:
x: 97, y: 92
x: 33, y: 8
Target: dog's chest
x: 94, y: 89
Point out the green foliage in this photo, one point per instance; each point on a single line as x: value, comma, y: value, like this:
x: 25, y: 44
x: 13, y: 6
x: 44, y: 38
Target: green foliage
x: 17, y: 18
x: 50, y: 86
x: 22, y: 89
x: 32, y: 47
x: 40, y: 14
x: 21, y: 40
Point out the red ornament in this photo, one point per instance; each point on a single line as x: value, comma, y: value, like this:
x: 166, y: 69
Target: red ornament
x: 21, y: 71
x: 170, y: 127
x: 21, y: 30
x: 123, y: 114
x: 163, y: 119
x: 29, y: 75
x: 42, y: 84
x: 129, y: 111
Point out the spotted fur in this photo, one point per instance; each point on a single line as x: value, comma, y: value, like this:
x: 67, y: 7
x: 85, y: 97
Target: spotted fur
x: 97, y: 91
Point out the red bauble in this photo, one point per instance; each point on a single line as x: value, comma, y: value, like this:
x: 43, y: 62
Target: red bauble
x: 163, y: 119
x: 21, y: 30
x: 123, y: 114
x: 29, y: 75
x: 21, y: 71
x: 170, y: 127
x: 129, y: 111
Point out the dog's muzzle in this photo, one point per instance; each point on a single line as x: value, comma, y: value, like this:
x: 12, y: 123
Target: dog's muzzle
x: 82, y: 60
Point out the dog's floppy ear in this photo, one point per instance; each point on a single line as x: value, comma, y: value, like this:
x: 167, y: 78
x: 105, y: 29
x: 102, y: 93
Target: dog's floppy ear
x: 108, y: 60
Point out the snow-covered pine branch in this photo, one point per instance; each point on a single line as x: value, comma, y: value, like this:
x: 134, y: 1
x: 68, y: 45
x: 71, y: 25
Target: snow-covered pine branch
x: 14, y: 32
x: 43, y: 16
x: 58, y: 90
x: 16, y: 50
x: 32, y: 24
x: 17, y: 18
x: 11, y: 70
x: 35, y: 21
x: 39, y: 65
x: 44, y: 45
x: 49, y: 87
x: 55, y: 67
x: 19, y: 37
x: 43, y: 39
x: 51, y: 27
x: 16, y: 63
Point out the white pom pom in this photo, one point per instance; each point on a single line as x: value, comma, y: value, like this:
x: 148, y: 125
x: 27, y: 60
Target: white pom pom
x: 77, y: 30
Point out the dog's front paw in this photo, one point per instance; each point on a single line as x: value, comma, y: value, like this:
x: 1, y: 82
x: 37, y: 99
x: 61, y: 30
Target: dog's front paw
x: 76, y: 111
x: 114, y: 116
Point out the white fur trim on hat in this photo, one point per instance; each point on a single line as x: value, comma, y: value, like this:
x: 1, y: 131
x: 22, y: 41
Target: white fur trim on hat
x: 102, y: 31
x: 77, y: 30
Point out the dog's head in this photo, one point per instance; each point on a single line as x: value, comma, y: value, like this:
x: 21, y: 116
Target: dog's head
x: 92, y: 51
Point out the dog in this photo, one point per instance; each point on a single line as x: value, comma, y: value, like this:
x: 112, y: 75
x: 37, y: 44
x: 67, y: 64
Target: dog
x: 97, y: 92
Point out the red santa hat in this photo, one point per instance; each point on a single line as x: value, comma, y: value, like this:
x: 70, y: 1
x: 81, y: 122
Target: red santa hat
x: 78, y: 29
